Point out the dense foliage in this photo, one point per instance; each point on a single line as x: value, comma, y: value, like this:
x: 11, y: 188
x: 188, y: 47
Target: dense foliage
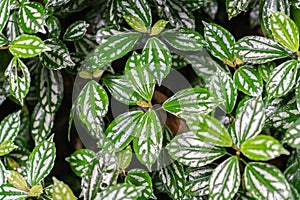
x: 231, y: 131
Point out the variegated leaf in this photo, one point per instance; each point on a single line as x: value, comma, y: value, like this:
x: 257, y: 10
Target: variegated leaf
x: 258, y: 50
x: 173, y: 179
x: 157, y: 58
x: 220, y: 42
x: 292, y: 172
x: 225, y: 180
x: 250, y: 120
x: 56, y: 3
x: 136, y: 23
x: 184, y: 39
x: 262, y: 147
x: 187, y: 148
x: 13, y: 30
x: 104, y: 33
x: 32, y: 17
x: 114, y: 13
x: 10, y: 126
x: 191, y: 100
x: 297, y: 94
x: 123, y: 191
x: 58, y: 57
x: 80, y: 160
x: 158, y: 27
x: 141, y: 178
x: 124, y: 157
x: 6, y: 147
x: 114, y: 48
x: 76, y: 31
x: 284, y: 30
x: 61, y: 191
x: 3, y: 40
x: 282, y: 79
x: 40, y: 162
x: 148, y: 142
x: 3, y: 178
x: 5, y: 11
x: 223, y: 87
x: 123, y: 129
x: 235, y: 7
x: 248, y: 80
x: 26, y: 46
x: 294, y: 193
x: 265, y: 70
x: 178, y: 62
x: 264, y: 181
x: 86, y: 45
x: 54, y: 27
x: 8, y: 192
x: 16, y: 179
x: 292, y: 135
x: 139, y: 9
x: 208, y: 129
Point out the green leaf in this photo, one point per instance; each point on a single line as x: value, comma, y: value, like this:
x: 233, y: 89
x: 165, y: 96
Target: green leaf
x: 58, y: 57
x: 225, y: 180
x: 220, y: 42
x: 184, y: 39
x: 139, y: 9
x: 292, y: 135
x: 61, y: 191
x: 124, y: 157
x: 3, y: 40
x: 32, y: 17
x: 191, y: 100
x: 223, y: 87
x: 187, y: 148
x: 54, y: 27
x: 282, y: 79
x: 16, y: 179
x: 13, y: 29
x: 3, y: 178
x: 6, y: 147
x: 35, y: 191
x: 8, y: 192
x: 297, y: 94
x: 114, y: 13
x: 148, y: 141
x: 248, y: 80
x: 292, y: 173
x: 26, y: 46
x: 262, y: 147
x: 86, y: 44
x: 4, y: 15
x: 141, y: 178
x: 158, y: 27
x: 157, y: 58
x: 264, y: 181
x: 123, y: 129
x: 80, y: 160
x: 209, y: 130
x: 136, y: 23
x: 114, y: 48
x: 235, y: 7
x: 250, y: 120
x: 76, y: 31
x: 122, y: 191
x: 284, y: 30
x: 258, y: 50
x: 40, y: 162
x: 265, y: 70
x: 10, y: 127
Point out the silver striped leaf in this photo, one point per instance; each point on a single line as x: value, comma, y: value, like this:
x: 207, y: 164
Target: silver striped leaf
x: 61, y: 191
x: 106, y: 32
x: 73, y: 7
x: 258, y: 50
x: 76, y: 31
x: 3, y: 40
x: 225, y: 180
x: 122, y: 130
x: 8, y: 192
x: 297, y: 94
x: 123, y: 191
x: 188, y: 149
x: 40, y: 162
x: 53, y: 26
x: 265, y: 70
x: 263, y: 147
x: 191, y: 100
x: 4, y: 15
x: 284, y: 30
x: 86, y: 45
x: 250, y: 120
x: 248, y: 80
x: 3, y: 178
x: 6, y: 147
x: 148, y: 141
x: 10, y: 127
x: 114, y: 12
x: 235, y: 7
x: 13, y: 30
x: 157, y: 58
x: 292, y: 172
x: 223, y: 87
x: 292, y: 135
x: 264, y: 181
x: 282, y: 79
x: 295, y: 193
x: 56, y: 3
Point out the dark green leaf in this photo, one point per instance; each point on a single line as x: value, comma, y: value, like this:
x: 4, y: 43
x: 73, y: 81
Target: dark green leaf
x: 76, y: 31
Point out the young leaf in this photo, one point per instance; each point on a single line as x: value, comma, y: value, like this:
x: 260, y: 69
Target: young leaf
x: 32, y: 17
x: 76, y: 31
x: 158, y: 27
x: 282, y: 79
x: 135, y: 23
x: 223, y: 87
x: 258, y: 50
x: 248, y: 80
x: 184, y: 39
x: 148, y: 142
x: 8, y: 192
x: 220, y: 42
x: 209, y: 130
x: 292, y: 135
x: 6, y: 147
x: 26, y: 46
x: 235, y: 7
x: 61, y: 191
x: 284, y: 30
x: 54, y: 27
x: 250, y: 120
x: 121, y: 191
x: 188, y: 149
x: 262, y: 147
x: 264, y: 181
x: 124, y: 157
x: 191, y: 100
x: 40, y: 162
x: 5, y: 11
x: 16, y: 179
x: 157, y: 58
x: 225, y: 180
x: 80, y: 161
x: 10, y: 126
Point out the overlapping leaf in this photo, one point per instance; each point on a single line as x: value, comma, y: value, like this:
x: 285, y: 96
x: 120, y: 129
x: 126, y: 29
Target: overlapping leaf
x: 54, y: 27
x: 292, y: 135
x: 80, y: 161
x: 3, y: 40
x: 62, y: 191
x: 13, y: 29
x: 76, y: 31
x: 120, y: 192
x: 124, y: 157
x: 265, y: 70
x: 297, y: 94
x: 158, y: 27
x: 235, y: 7
x: 5, y: 11
x: 6, y: 147
x: 10, y: 126
x: 86, y: 44
x: 8, y: 192
x: 16, y: 179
